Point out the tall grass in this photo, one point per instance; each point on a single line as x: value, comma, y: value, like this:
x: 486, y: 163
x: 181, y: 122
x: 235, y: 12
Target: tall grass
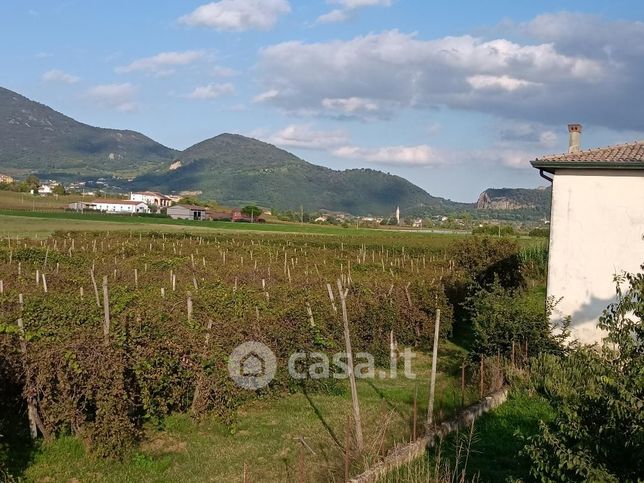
x: 534, y: 260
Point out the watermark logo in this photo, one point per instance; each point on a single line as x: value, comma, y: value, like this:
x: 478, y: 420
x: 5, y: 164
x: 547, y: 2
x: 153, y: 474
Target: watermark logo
x: 252, y: 365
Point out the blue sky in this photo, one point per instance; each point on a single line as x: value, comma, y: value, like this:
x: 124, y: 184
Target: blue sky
x: 454, y: 96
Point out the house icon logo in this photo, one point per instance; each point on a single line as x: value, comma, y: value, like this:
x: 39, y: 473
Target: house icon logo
x: 252, y: 365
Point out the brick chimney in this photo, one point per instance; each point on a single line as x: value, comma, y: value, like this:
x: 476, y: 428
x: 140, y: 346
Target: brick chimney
x: 574, y: 138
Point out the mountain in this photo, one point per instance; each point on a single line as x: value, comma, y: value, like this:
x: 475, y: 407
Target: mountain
x: 235, y: 169
x: 34, y: 137
x: 229, y: 168
x: 521, y: 201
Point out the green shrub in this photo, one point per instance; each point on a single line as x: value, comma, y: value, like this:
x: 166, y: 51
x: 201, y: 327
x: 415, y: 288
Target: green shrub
x: 502, y: 317
x: 482, y: 261
x: 598, y: 433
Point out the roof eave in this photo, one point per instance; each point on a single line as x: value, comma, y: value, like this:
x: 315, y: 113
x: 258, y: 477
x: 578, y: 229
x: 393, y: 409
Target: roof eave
x: 550, y: 167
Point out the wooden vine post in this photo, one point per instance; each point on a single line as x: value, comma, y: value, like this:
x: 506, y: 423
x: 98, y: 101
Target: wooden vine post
x: 98, y: 299
x: 106, y: 309
x: 432, y: 382
x: 35, y: 423
x: 352, y: 376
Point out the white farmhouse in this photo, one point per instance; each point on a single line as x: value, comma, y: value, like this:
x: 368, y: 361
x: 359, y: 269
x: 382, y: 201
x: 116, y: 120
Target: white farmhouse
x: 596, y: 229
x: 118, y: 206
x: 151, y: 198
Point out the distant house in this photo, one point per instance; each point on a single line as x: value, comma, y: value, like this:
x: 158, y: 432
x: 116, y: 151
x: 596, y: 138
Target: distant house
x: 418, y: 223
x: 45, y: 189
x: 239, y: 217
x: 187, y: 212
x: 6, y: 179
x: 596, y: 229
x: 219, y: 215
x: 151, y: 198
x: 118, y: 206
x: 79, y: 206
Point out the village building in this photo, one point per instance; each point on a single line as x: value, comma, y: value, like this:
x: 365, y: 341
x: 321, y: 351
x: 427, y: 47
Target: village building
x: 218, y: 215
x: 187, y: 212
x: 6, y: 179
x: 45, y: 189
x: 151, y: 198
x: 596, y: 228
x: 116, y: 206
x: 238, y: 216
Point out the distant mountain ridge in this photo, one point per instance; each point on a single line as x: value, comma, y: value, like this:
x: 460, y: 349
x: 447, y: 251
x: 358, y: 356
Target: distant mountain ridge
x: 235, y: 169
x: 34, y: 137
x: 229, y: 168
x: 515, y: 199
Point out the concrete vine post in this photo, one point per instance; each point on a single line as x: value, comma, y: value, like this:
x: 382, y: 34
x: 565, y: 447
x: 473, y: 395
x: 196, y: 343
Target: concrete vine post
x: 352, y: 376
x: 432, y: 382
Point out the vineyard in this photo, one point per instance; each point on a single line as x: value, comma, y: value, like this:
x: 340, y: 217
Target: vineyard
x: 103, y: 335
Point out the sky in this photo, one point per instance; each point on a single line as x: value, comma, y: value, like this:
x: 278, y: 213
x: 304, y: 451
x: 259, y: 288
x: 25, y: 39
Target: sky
x: 456, y: 97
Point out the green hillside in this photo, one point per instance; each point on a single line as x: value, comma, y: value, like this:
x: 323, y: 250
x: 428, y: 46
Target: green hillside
x: 34, y: 137
x: 234, y: 169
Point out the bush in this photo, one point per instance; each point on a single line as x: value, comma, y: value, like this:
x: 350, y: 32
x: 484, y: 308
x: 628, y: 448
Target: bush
x: 494, y: 230
x: 539, y: 232
x: 502, y: 317
x: 598, y: 433
x: 482, y: 261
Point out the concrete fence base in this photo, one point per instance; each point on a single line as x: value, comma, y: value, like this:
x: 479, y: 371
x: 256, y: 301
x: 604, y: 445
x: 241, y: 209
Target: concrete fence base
x: 407, y: 453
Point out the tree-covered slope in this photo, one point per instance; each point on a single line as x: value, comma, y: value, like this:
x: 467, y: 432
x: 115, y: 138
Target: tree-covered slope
x: 34, y: 137
x: 234, y: 169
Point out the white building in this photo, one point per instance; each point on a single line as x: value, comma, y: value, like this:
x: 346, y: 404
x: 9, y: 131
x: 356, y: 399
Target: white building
x: 119, y: 206
x: 596, y: 229
x: 151, y: 198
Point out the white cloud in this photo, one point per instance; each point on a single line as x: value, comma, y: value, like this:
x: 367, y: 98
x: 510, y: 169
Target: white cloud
x: 305, y: 136
x: 352, y: 4
x: 421, y: 155
x: 502, y: 82
x: 212, y: 91
x: 548, y: 139
x: 351, y: 105
x: 266, y: 95
x: 347, y: 8
x: 119, y: 97
x: 237, y: 15
x: 546, y: 81
x: 56, y: 75
x: 335, y: 15
x: 163, y: 63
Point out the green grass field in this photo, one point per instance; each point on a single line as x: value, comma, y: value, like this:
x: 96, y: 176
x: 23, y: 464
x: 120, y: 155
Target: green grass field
x: 40, y: 223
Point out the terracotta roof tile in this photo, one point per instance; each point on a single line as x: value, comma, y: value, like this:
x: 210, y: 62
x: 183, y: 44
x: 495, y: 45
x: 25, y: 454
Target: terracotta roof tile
x: 629, y: 155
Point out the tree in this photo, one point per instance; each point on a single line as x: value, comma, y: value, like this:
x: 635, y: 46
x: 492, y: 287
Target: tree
x: 59, y: 189
x: 598, y: 432
x: 251, y: 210
x: 32, y: 182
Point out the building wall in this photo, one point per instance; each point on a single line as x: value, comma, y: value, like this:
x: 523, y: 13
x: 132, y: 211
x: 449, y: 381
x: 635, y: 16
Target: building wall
x: 597, y: 230
x: 119, y: 208
x: 179, y: 213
